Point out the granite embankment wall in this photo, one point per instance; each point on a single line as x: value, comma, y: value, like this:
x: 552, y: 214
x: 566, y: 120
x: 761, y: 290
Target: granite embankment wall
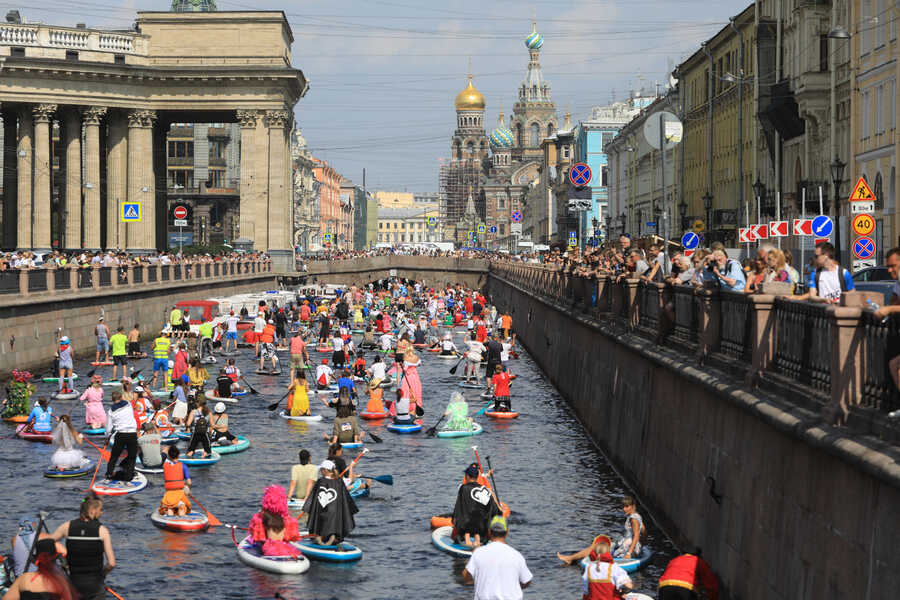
x: 432, y: 271
x: 805, y: 513
x: 28, y: 331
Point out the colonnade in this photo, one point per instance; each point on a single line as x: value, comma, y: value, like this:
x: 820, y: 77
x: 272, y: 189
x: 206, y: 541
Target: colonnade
x: 109, y: 156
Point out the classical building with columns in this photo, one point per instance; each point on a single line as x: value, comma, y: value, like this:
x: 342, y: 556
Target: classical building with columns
x: 115, y: 96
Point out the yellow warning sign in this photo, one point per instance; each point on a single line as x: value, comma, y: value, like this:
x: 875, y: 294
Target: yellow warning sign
x: 862, y: 192
x: 863, y: 224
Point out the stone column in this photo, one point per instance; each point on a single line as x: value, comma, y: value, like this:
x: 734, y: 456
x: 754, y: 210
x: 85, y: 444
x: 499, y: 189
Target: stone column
x: 71, y: 140
x: 279, y: 219
x: 24, y: 169
x: 251, y: 199
x: 141, y: 236
x: 10, y: 193
x: 116, y: 178
x: 91, y: 119
x: 847, y: 375
x: 43, y: 172
x: 710, y: 321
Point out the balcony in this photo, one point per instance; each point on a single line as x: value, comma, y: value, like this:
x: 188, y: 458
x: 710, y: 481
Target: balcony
x: 218, y: 132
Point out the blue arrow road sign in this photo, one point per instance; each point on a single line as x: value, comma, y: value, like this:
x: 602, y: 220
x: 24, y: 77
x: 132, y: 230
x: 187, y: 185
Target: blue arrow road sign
x: 690, y: 240
x: 822, y: 226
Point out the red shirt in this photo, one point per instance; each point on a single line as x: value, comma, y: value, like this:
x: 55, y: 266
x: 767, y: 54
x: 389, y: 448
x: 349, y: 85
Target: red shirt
x: 297, y: 345
x: 304, y: 312
x: 501, y: 383
x: 690, y: 572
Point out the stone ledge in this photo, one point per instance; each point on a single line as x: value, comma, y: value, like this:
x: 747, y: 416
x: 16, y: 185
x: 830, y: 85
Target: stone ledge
x: 871, y: 455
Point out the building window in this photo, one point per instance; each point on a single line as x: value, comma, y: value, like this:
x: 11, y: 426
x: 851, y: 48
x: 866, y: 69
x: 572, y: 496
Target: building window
x: 606, y: 139
x: 535, y: 135
x: 823, y: 53
x: 519, y: 139
x: 502, y: 228
x: 549, y: 129
x: 470, y: 148
x: 501, y: 203
x: 879, y: 109
x: 119, y: 59
x: 17, y: 52
x: 883, y: 19
x: 217, y: 149
x: 865, y: 13
x: 216, y: 179
x: 71, y: 55
x: 865, y: 127
x: 892, y: 107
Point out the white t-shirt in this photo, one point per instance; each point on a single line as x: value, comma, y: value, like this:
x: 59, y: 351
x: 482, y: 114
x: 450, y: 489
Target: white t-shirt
x: 259, y: 324
x: 475, y: 349
x: 504, y: 354
x: 829, y: 284
x: 337, y: 344
x: 377, y: 370
x: 499, y: 571
x: 601, y: 570
x: 386, y: 342
x: 232, y: 322
x: 323, y: 370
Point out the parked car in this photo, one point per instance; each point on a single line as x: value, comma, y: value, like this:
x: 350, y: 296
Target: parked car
x: 875, y: 279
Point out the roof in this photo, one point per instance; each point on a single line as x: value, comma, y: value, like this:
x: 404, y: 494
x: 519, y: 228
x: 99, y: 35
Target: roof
x: 403, y: 213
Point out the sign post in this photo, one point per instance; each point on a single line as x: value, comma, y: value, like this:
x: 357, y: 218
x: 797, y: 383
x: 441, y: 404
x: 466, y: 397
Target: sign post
x: 180, y: 213
x: 862, y: 204
x: 663, y: 133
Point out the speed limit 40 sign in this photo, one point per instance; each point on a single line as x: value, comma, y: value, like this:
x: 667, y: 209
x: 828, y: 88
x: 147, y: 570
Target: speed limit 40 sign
x: 863, y: 224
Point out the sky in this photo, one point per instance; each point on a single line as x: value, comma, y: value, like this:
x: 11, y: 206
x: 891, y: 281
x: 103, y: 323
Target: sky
x: 384, y: 74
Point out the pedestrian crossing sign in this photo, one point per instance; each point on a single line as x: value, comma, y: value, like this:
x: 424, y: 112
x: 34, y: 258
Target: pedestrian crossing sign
x: 131, y: 212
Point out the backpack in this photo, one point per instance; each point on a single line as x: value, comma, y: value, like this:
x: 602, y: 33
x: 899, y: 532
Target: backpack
x: 841, y: 272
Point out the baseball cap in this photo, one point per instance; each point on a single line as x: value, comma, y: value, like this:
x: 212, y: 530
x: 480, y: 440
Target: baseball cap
x: 498, y: 524
x: 327, y: 465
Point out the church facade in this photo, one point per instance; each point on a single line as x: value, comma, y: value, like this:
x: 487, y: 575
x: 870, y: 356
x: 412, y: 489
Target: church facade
x: 496, y: 170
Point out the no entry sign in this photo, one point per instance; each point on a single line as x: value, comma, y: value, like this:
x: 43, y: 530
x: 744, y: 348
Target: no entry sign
x: 180, y: 212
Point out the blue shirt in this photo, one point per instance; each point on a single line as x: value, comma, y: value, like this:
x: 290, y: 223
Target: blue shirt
x: 41, y: 418
x: 733, y: 271
x: 346, y: 382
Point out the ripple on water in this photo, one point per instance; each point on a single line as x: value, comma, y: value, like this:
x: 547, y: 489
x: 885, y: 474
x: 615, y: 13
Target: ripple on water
x: 561, y: 490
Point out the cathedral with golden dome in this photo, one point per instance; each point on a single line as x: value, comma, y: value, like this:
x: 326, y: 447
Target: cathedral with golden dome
x: 494, y: 171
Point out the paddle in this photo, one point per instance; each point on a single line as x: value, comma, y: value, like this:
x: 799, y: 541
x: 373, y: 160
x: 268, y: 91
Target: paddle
x: 249, y: 387
x: 456, y: 366
x: 432, y: 431
x: 486, y: 406
x: 385, y: 479
x: 374, y: 437
x: 491, y: 471
x: 104, y: 454
x: 274, y: 405
x: 213, y: 521
x: 350, y: 466
x: 115, y: 595
x: 493, y: 493
x: 97, y: 468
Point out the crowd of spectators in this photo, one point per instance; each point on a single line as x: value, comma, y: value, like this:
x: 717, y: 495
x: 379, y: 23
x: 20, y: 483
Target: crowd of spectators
x: 26, y: 259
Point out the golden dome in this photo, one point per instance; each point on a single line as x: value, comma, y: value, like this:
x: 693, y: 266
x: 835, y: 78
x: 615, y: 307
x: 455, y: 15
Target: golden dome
x: 470, y: 98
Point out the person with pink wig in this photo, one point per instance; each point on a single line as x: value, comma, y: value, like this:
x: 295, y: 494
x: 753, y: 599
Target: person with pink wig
x: 273, y: 527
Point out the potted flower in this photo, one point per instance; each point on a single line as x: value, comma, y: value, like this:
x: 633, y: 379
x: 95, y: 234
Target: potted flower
x: 18, y: 396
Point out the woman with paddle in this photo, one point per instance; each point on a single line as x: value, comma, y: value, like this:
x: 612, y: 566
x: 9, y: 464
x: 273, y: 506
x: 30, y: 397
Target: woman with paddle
x: 298, y: 395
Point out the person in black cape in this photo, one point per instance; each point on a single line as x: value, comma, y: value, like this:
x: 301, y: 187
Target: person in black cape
x: 474, y: 509
x: 330, y: 507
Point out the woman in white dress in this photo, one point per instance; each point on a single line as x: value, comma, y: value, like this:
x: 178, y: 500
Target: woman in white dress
x: 66, y: 440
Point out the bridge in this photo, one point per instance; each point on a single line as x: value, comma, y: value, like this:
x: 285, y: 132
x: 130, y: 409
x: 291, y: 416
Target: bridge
x: 715, y: 406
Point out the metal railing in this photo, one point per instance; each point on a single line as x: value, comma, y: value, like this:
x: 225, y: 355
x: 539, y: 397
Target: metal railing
x: 56, y: 280
x: 841, y: 354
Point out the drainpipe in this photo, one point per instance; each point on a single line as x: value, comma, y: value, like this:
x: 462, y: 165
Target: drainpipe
x: 709, y: 142
x: 740, y: 123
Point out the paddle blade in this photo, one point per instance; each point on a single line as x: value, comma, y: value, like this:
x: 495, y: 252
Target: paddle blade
x: 274, y: 405
x: 213, y: 521
x: 385, y: 479
x: 375, y: 438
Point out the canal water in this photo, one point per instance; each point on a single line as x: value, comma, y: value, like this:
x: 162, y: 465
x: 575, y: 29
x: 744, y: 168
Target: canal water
x: 561, y: 490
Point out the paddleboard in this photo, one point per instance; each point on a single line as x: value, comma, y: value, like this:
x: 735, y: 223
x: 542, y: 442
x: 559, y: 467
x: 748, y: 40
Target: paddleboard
x: 56, y: 379
x: 310, y: 418
x: 630, y: 565
x: 447, y: 519
x: 160, y: 393
x: 108, y: 487
x: 140, y: 468
x: 226, y: 448
x: 195, y: 461
x: 210, y: 397
x: 476, y: 429
x: 637, y: 596
x: 357, y: 331
x: 471, y: 386
x: 501, y: 415
x: 87, y: 465
x: 208, y: 360
x: 296, y: 503
x: 34, y: 436
x: 170, y: 438
x: 183, y: 435
x: 94, y: 431
x: 193, y: 521
x: 343, y: 552
x: 441, y: 537
x: 67, y: 396
x: 16, y: 419
x: 404, y: 428
x: 251, y: 554
x: 264, y: 372
x: 373, y: 416
x: 351, y: 445
x: 102, y: 364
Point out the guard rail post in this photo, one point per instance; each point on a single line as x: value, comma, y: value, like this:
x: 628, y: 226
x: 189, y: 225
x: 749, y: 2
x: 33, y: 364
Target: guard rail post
x: 23, y: 282
x: 847, y: 376
x: 51, y: 278
x: 129, y: 276
x: 73, y: 277
x: 632, y: 301
x: 95, y: 276
x: 708, y: 327
x: 762, y: 332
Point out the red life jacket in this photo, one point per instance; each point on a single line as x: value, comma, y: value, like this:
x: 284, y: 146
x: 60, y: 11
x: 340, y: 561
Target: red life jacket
x: 268, y: 334
x: 232, y: 373
x: 600, y: 585
x: 173, y: 475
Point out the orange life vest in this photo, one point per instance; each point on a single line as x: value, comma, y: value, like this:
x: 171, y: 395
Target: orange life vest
x: 162, y: 419
x: 268, y: 334
x: 173, y: 473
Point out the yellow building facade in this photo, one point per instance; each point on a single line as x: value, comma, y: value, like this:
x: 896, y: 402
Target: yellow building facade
x: 388, y: 199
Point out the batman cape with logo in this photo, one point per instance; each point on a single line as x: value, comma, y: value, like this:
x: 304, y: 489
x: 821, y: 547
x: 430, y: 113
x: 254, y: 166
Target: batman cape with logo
x: 474, y: 509
x: 330, y: 509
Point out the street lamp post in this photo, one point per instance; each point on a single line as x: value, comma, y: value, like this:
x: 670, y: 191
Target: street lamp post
x: 707, y: 206
x: 837, y: 173
x: 682, y: 210
x: 759, y: 190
